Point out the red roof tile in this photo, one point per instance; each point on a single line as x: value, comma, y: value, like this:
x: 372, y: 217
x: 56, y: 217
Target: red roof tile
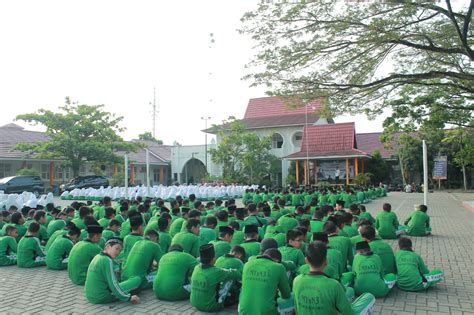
x: 273, y: 106
x: 369, y: 142
x: 329, y: 140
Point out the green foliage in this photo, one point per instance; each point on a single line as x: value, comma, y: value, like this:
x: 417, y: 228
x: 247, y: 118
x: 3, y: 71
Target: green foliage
x: 377, y: 168
x: 77, y: 134
x: 245, y: 157
x: 28, y: 171
x: 462, y: 140
x: 147, y: 136
x: 291, y: 177
x: 361, y: 56
x: 363, y: 179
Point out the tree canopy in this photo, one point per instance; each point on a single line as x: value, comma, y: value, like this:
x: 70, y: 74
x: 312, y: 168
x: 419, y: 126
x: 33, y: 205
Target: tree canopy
x: 245, y: 158
x: 77, y: 134
x: 147, y: 136
x: 360, y: 56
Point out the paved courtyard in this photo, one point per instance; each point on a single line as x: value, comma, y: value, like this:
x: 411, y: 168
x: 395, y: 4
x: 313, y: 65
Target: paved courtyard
x: 450, y: 248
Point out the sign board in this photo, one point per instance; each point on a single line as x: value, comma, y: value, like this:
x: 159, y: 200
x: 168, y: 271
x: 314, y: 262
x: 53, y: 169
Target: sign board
x: 440, y: 168
x: 330, y: 170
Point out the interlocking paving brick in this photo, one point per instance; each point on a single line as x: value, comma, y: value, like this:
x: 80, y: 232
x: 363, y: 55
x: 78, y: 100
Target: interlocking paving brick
x: 42, y: 291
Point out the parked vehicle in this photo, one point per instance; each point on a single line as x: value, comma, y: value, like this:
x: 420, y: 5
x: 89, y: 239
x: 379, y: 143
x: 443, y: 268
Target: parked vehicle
x: 19, y: 184
x: 79, y: 182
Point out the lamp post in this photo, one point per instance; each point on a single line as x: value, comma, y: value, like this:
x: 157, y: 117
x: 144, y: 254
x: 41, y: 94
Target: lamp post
x: 205, y: 140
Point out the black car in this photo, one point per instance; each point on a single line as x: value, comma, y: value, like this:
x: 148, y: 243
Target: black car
x: 79, y: 182
x: 19, y: 184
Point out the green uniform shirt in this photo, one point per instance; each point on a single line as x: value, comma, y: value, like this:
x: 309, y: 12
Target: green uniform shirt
x: 385, y: 252
x: 125, y: 229
x: 290, y: 253
x: 128, y: 243
x: 176, y: 226
x: 252, y: 248
x: 104, y: 222
x: 54, y: 226
x: 29, y: 249
x: 8, y: 246
x: 58, y: 251
x: 206, y: 235
x: 228, y: 261
x: 386, y: 224
x: 165, y: 241
x: 343, y: 245
x: 316, y: 225
x: 350, y: 231
x: 140, y: 259
x: 253, y: 219
x: 101, y: 285
x: 189, y: 242
x: 205, y: 283
x: 79, y: 223
x: 53, y: 237
x: 173, y: 273
x: 369, y: 272
x: 261, y: 279
x: 417, y: 222
x: 79, y: 259
x: 237, y: 239
x: 287, y: 222
x: 315, y: 293
x: 221, y: 247
x: 107, y: 234
x: 410, y: 267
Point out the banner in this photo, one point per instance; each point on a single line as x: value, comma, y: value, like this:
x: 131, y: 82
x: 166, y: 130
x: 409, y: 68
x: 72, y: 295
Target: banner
x: 440, y: 167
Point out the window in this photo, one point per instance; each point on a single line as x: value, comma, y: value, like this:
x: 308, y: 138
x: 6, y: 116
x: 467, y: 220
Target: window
x: 44, y: 171
x: 59, y: 174
x: 297, y: 139
x: 67, y: 173
x: 5, y: 170
x: 277, y: 141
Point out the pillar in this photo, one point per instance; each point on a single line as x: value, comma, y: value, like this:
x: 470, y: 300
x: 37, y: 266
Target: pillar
x: 51, y: 173
x: 347, y: 172
x: 315, y: 171
x: 297, y: 173
x: 115, y: 169
x: 356, y: 166
x: 305, y: 166
x: 162, y: 174
x: 132, y: 174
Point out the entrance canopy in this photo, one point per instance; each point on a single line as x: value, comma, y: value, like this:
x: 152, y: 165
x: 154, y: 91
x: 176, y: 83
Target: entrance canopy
x: 335, y: 142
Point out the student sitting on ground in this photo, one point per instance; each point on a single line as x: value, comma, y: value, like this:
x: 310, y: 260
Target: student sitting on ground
x: 369, y: 272
x: 30, y: 254
x: 316, y: 293
x: 418, y: 222
x: 210, y: 284
x: 102, y: 286
x: 412, y: 272
x: 142, y: 259
x: 82, y: 254
x: 381, y: 248
x: 8, y: 246
x: 386, y: 223
x: 57, y: 256
x: 172, y: 278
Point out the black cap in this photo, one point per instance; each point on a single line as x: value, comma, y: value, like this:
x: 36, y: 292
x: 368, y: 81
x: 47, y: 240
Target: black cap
x: 362, y: 245
x: 320, y: 236
x: 268, y: 243
x: 207, y: 251
x: 94, y: 229
x: 226, y: 229
x: 74, y: 230
x: 251, y: 228
x: 136, y: 221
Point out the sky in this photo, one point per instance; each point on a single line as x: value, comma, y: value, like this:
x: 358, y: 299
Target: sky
x: 115, y: 52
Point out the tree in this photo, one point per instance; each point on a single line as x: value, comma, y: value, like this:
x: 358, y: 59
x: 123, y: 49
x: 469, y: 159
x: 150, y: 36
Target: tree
x: 28, y: 171
x: 244, y: 156
x: 147, y: 136
x: 377, y: 169
x: 463, y: 140
x: 358, y: 55
x: 78, y: 134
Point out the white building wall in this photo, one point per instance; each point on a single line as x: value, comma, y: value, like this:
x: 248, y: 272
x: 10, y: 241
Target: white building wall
x: 181, y: 154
